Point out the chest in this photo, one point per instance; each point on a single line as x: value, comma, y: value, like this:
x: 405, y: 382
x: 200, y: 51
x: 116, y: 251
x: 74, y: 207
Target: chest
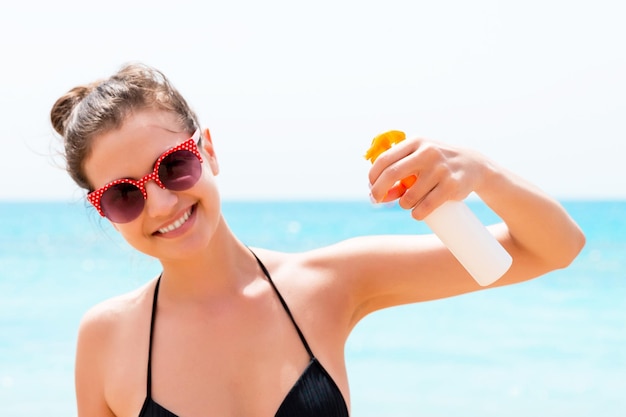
x: 229, y: 359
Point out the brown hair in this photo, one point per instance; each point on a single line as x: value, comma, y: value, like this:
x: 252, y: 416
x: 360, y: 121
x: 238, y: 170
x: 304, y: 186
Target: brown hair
x: 86, y: 111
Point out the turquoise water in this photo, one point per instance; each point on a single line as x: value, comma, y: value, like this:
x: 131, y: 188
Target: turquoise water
x: 555, y: 346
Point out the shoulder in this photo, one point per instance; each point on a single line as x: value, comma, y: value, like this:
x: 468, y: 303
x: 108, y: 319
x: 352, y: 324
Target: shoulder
x: 308, y: 269
x: 322, y: 280
x: 109, y: 343
x: 108, y: 312
x: 103, y: 322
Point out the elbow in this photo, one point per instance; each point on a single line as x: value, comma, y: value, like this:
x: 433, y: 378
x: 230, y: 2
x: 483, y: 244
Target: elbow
x: 571, y: 249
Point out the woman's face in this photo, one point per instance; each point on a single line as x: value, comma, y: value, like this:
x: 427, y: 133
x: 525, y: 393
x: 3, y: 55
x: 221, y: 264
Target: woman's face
x: 173, y: 224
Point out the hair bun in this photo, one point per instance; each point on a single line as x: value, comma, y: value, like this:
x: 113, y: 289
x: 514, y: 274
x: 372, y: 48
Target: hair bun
x: 63, y: 107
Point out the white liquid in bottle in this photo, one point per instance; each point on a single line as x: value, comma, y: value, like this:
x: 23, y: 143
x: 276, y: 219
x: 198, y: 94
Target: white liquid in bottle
x: 469, y: 241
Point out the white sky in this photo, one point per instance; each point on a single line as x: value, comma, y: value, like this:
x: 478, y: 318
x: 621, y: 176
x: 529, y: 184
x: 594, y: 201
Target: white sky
x: 293, y: 91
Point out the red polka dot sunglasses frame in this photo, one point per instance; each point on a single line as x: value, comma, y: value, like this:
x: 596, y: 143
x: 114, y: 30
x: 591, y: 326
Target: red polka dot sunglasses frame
x: 177, y: 169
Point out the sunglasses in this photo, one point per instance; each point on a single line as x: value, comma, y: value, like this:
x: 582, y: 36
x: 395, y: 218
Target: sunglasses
x: 177, y: 169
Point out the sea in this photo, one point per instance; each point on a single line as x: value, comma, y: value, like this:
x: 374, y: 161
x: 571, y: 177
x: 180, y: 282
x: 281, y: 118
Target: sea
x: 554, y: 346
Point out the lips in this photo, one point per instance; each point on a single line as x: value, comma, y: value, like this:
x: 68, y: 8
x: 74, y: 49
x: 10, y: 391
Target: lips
x: 177, y: 223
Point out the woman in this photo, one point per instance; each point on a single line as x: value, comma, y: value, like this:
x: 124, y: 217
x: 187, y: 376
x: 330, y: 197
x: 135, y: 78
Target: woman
x: 228, y: 330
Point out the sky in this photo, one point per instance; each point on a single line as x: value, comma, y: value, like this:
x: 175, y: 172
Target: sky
x: 293, y: 92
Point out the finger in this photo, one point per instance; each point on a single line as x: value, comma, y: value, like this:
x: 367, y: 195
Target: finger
x: 395, y: 192
x: 419, y: 190
x: 433, y: 199
x: 399, y: 188
x: 394, y: 181
x: 388, y: 160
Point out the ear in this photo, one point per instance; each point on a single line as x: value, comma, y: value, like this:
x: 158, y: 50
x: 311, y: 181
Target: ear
x: 209, y: 151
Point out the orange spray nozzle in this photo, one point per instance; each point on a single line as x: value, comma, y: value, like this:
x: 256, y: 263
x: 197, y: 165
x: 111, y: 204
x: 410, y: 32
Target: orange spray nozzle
x: 383, y: 142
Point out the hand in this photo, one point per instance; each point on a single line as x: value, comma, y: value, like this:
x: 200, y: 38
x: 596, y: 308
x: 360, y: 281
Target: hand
x: 443, y: 173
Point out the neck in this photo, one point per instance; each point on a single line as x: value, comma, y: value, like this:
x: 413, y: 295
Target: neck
x: 224, y: 267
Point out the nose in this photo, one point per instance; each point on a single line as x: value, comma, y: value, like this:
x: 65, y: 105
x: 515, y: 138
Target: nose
x: 160, y: 202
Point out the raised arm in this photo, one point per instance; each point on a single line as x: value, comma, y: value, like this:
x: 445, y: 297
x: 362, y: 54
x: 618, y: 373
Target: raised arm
x: 536, y: 230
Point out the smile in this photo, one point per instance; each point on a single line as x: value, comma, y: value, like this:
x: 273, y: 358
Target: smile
x: 177, y: 223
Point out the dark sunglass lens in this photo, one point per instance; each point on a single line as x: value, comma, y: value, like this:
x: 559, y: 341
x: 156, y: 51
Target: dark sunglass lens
x: 180, y: 170
x: 122, y: 203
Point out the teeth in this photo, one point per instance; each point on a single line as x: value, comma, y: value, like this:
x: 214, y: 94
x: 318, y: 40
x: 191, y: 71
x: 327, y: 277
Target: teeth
x: 177, y: 223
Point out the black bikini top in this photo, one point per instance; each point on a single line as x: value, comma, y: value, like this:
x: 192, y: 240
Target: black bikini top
x: 315, y: 393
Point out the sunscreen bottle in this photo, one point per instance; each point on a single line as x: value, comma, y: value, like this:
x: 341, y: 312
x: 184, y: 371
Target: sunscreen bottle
x: 469, y: 241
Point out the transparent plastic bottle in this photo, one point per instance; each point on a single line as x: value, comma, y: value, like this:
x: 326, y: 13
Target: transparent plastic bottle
x: 469, y: 241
